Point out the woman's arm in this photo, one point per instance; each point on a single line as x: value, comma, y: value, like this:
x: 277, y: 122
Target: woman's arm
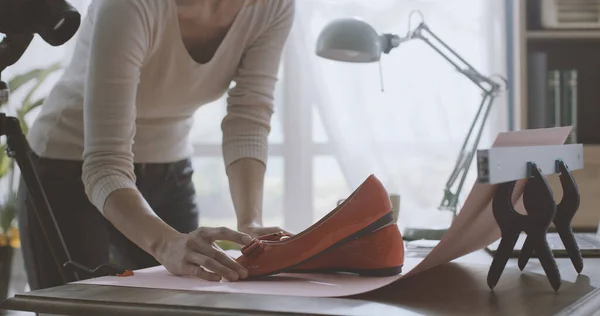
x: 247, y: 125
x: 246, y: 182
x: 119, y: 43
x: 181, y: 254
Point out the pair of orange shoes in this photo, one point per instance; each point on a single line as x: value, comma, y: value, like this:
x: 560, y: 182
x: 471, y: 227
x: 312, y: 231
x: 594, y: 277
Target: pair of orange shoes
x: 358, y: 236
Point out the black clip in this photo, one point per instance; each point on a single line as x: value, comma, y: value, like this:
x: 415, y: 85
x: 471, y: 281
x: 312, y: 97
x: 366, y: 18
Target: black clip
x: 565, y: 211
x: 539, y: 203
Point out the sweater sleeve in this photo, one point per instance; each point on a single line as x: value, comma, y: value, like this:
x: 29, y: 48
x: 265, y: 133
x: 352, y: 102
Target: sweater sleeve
x: 246, y: 126
x: 118, y: 43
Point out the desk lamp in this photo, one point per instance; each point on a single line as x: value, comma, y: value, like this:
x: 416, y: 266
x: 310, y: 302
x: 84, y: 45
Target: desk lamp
x: 355, y: 41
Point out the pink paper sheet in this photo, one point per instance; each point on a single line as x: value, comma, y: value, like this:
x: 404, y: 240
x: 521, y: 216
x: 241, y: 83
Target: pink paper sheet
x: 474, y: 228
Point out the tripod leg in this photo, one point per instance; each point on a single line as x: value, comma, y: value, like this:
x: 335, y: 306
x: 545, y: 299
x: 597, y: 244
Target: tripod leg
x: 19, y: 149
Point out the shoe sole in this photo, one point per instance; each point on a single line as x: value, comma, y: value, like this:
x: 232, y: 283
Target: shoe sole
x: 382, y: 272
x: 382, y: 221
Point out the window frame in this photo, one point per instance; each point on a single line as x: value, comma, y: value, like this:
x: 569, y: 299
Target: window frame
x: 298, y: 148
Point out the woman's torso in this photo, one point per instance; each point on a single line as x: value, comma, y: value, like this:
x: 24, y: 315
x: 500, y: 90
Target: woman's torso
x: 171, y: 88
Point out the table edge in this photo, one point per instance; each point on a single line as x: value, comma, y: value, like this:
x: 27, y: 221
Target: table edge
x: 587, y: 305
x: 84, y: 307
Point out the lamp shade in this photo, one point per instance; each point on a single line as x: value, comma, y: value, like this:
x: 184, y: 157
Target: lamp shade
x: 349, y: 40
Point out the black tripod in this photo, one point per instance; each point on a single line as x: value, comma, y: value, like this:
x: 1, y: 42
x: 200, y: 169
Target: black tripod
x: 18, y: 148
x: 56, y: 22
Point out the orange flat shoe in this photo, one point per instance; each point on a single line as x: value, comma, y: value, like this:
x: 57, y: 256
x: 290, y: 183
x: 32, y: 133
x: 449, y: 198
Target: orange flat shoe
x: 380, y: 253
x: 366, y: 210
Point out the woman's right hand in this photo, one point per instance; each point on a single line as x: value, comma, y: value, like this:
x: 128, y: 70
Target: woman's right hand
x: 194, y: 254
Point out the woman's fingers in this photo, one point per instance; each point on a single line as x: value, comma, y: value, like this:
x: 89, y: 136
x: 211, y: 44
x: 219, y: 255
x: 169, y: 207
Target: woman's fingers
x: 209, y: 253
x: 224, y: 233
x: 230, y: 263
x: 211, y: 234
x: 271, y: 230
x: 223, y: 270
x: 198, y: 271
x: 213, y: 265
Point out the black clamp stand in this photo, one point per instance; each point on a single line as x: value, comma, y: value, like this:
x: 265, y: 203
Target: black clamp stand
x: 18, y: 148
x: 542, y: 210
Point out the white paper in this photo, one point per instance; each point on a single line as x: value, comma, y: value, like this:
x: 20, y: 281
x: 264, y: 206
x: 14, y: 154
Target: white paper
x: 473, y: 229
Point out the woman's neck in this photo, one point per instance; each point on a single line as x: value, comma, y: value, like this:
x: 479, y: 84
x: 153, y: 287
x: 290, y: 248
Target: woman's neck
x: 215, y: 12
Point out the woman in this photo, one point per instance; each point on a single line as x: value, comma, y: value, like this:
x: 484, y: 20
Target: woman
x: 111, y: 140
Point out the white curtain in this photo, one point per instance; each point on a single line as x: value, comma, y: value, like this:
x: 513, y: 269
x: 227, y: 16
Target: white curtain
x: 410, y: 134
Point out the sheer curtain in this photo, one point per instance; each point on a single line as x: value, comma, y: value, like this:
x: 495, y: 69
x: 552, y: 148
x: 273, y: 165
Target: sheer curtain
x: 409, y: 134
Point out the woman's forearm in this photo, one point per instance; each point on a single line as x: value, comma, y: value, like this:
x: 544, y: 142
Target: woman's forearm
x: 246, y: 181
x: 190, y: 254
x: 129, y: 212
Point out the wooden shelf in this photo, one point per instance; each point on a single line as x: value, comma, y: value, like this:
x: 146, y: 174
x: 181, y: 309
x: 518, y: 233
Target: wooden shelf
x: 563, y: 35
x: 565, y: 49
x: 591, y: 154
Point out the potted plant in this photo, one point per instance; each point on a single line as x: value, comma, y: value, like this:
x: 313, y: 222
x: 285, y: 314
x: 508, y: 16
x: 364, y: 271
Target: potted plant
x: 9, y: 233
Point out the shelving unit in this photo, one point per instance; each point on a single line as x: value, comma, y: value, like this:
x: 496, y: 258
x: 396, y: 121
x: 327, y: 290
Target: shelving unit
x: 565, y: 48
x: 562, y: 35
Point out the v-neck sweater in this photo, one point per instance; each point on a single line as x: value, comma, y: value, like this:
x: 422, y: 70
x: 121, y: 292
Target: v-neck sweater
x: 131, y: 89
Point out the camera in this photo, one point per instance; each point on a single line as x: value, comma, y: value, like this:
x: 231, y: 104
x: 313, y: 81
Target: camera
x: 56, y: 21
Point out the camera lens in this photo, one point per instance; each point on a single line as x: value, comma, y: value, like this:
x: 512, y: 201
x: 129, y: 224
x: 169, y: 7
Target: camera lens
x: 58, y: 23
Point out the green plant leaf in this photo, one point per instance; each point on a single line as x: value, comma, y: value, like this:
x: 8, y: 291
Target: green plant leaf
x: 7, y: 213
x: 4, y: 162
x: 42, y: 76
x: 29, y: 107
x: 22, y: 112
x: 227, y: 245
x: 19, y: 80
x: 39, y: 75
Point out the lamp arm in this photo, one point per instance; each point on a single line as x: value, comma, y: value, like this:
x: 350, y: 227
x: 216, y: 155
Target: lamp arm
x: 490, y: 90
x: 466, y: 155
x: 483, y: 82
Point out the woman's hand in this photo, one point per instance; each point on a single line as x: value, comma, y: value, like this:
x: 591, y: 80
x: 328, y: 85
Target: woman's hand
x: 194, y: 254
x: 256, y: 231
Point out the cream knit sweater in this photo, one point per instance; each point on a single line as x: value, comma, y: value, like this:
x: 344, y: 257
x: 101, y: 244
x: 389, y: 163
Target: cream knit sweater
x: 131, y: 90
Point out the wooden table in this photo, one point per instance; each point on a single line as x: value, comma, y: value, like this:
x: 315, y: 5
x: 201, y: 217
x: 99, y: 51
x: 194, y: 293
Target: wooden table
x: 457, y: 288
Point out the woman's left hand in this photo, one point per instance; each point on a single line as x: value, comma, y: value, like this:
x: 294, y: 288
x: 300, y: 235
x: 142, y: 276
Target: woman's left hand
x: 257, y: 231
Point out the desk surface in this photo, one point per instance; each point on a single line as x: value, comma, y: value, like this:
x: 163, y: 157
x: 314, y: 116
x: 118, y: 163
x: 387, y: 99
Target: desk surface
x: 457, y: 288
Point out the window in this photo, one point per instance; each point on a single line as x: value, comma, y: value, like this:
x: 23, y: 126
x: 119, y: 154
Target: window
x: 333, y: 126
x: 210, y: 179
x: 214, y: 200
